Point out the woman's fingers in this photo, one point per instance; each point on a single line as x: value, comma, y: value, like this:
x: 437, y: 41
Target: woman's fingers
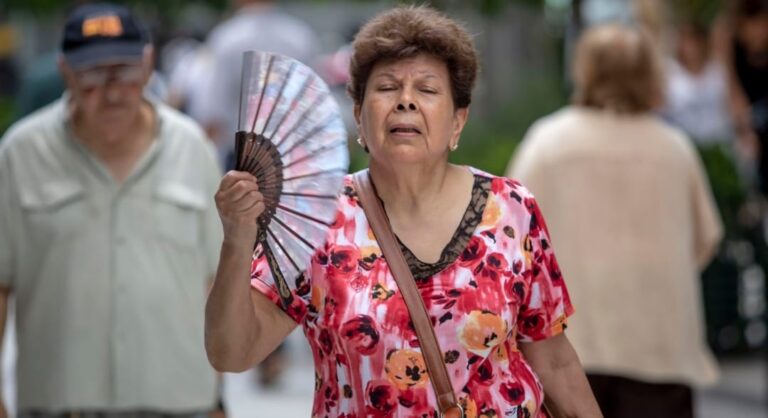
x: 238, y: 198
x: 240, y: 190
x: 232, y: 177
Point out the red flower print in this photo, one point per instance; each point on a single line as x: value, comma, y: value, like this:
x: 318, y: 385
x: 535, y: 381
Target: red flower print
x: 515, y: 291
x: 497, y: 185
x: 407, y: 398
x: 554, y: 269
x: 495, y: 265
x: 513, y: 392
x: 517, y: 266
x: 360, y: 282
x: 485, y: 374
x: 533, y: 323
x: 302, y: 285
x: 382, y: 398
x: 361, y: 333
x: 343, y: 262
x: 473, y: 253
x: 338, y: 221
x: 320, y: 257
x: 326, y: 341
x: 537, y: 219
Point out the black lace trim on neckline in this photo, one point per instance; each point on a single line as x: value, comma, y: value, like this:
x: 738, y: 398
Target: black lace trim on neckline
x: 472, y: 218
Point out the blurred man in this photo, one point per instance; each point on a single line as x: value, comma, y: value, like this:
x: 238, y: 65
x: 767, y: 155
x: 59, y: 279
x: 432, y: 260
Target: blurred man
x: 108, y: 234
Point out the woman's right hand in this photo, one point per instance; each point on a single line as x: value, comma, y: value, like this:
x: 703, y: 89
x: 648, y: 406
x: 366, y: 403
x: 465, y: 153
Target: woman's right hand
x: 239, y: 203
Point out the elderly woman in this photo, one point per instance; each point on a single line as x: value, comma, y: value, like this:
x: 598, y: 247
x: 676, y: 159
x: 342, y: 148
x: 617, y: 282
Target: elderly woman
x: 630, y: 210
x: 476, y: 245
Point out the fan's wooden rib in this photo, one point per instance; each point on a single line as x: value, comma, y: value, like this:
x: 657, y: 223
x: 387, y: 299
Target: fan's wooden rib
x: 316, y: 173
x: 312, y: 196
x: 240, y: 108
x: 247, y: 160
x: 294, y: 233
x: 286, y: 297
x: 265, y: 165
x: 259, y: 156
x: 302, y: 91
x: 310, y: 109
x: 274, y: 238
x: 326, y: 123
x: 303, y: 215
x: 314, y: 153
x: 279, y: 96
x: 263, y: 90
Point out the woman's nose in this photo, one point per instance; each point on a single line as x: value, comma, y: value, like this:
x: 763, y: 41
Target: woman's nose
x: 406, y: 105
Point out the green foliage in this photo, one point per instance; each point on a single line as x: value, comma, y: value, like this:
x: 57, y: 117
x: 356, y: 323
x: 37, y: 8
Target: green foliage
x: 726, y: 184
x: 42, y: 7
x: 700, y: 11
x: 488, y: 7
x: 489, y: 144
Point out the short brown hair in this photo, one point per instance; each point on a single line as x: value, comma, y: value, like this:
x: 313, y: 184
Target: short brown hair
x: 617, y: 68
x: 407, y: 31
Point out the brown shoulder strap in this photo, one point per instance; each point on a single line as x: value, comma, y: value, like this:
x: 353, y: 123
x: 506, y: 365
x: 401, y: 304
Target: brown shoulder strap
x: 433, y: 356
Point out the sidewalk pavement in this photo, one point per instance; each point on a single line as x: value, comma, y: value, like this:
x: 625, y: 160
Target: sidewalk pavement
x: 742, y: 391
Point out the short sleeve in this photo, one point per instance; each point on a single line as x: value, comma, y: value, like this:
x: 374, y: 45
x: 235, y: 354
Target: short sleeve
x: 263, y: 281
x: 547, y: 305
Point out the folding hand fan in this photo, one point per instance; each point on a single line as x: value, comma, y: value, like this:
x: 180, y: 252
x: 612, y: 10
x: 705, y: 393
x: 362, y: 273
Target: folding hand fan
x: 292, y: 139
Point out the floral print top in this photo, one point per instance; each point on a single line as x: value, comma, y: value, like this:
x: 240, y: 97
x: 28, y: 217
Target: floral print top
x: 503, y: 287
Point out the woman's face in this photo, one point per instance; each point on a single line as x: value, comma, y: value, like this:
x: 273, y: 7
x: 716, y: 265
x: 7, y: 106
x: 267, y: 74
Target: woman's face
x: 407, y: 114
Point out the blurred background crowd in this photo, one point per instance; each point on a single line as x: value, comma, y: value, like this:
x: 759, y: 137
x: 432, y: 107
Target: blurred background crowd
x: 716, y: 90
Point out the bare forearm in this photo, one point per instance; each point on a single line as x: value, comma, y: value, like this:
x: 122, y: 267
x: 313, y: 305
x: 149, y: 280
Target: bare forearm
x: 231, y: 327
x: 566, y: 387
x: 568, y: 392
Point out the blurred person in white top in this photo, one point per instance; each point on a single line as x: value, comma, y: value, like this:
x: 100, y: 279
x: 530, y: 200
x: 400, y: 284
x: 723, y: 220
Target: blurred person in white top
x: 256, y: 25
x: 697, y: 88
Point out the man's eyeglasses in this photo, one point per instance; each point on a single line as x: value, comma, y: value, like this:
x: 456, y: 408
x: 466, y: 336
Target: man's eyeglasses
x: 99, y: 77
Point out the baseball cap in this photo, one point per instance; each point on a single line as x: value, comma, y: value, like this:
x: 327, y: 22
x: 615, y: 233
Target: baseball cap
x: 97, y: 34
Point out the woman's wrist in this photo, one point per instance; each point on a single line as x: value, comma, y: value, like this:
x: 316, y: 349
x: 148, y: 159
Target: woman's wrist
x: 238, y: 237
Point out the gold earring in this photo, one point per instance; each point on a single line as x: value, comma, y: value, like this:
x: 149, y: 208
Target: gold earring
x: 362, y: 144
